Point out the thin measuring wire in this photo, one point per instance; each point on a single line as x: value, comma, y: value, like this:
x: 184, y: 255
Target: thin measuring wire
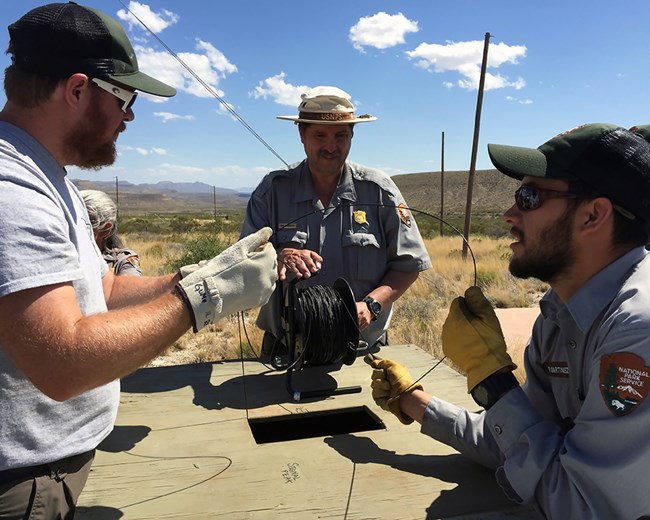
x: 435, y: 217
x: 206, y: 86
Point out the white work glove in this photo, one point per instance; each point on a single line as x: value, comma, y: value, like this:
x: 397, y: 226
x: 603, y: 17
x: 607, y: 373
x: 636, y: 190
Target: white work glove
x: 241, y: 277
x: 190, y: 268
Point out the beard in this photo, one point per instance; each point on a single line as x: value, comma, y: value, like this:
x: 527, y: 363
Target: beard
x: 88, y: 144
x: 552, y: 256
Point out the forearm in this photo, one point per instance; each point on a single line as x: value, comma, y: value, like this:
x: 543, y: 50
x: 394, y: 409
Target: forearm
x: 392, y: 286
x: 64, y: 353
x: 414, y: 404
x: 124, y: 291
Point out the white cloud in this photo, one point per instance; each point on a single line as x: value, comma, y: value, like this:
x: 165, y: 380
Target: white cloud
x: 168, y: 116
x: 209, y: 64
x: 155, y: 150
x: 155, y: 21
x: 466, y: 58
x: 179, y: 168
x: 520, y: 101
x: 279, y: 90
x: 381, y: 31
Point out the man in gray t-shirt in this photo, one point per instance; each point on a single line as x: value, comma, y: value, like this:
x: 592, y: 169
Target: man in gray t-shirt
x: 70, y: 328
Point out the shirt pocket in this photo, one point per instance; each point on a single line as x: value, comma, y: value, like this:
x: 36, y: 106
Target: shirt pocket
x: 292, y: 238
x: 365, y: 256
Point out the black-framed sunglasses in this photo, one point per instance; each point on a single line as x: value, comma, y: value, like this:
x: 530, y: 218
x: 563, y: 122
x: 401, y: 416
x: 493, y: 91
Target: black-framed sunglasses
x: 528, y: 198
x: 128, y: 96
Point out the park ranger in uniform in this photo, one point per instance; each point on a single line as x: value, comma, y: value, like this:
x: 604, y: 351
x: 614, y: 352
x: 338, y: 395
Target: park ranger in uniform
x: 572, y: 440
x: 337, y: 218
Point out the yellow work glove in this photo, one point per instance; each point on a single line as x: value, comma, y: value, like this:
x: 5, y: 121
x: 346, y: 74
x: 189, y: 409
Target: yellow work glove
x: 472, y: 338
x: 390, y: 380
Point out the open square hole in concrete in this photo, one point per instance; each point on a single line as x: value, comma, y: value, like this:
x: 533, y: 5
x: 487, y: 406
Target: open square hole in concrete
x: 314, y: 424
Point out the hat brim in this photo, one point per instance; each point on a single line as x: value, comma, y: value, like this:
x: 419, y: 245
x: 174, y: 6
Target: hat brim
x: 297, y: 119
x: 144, y: 83
x: 517, y: 161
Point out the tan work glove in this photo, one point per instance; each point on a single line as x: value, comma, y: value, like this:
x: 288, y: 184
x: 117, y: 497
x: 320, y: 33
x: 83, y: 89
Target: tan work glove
x: 390, y: 380
x: 472, y: 338
x: 241, y: 277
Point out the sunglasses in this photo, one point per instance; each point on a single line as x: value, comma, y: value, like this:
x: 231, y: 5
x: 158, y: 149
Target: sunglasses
x: 528, y: 198
x: 128, y: 96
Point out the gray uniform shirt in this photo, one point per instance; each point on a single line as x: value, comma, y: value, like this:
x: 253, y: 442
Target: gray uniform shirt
x: 46, y: 238
x: 574, y: 439
x: 360, y: 241
x: 123, y: 261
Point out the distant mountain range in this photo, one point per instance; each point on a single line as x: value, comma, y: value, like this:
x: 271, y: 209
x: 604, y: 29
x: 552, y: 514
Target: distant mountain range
x: 492, y: 193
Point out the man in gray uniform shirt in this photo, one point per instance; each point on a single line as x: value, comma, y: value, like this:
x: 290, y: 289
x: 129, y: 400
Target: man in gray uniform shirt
x: 573, y: 439
x: 70, y: 328
x: 337, y: 218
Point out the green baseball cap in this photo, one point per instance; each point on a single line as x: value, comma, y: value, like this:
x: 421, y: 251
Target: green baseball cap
x: 61, y: 39
x: 609, y: 159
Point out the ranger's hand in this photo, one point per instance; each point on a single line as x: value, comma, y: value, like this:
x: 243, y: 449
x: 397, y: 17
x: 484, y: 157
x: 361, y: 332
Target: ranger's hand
x: 472, y: 338
x: 303, y: 263
x: 241, y: 277
x: 390, y: 380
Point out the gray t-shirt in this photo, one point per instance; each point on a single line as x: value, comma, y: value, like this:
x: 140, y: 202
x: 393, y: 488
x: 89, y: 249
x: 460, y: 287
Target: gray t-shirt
x: 46, y: 238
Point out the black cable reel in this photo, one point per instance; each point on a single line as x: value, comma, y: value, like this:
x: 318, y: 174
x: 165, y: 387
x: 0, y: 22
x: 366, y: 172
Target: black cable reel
x: 321, y: 327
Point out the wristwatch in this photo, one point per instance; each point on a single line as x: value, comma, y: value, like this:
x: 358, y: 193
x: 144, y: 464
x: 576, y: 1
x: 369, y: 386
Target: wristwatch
x: 373, y: 306
x: 488, y: 391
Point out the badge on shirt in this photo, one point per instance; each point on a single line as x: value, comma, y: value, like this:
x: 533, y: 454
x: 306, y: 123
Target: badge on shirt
x: 404, y: 214
x: 624, y: 381
x: 359, y: 216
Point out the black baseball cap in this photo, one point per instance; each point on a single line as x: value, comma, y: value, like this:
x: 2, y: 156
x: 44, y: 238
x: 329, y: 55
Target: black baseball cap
x: 62, y: 39
x: 609, y: 159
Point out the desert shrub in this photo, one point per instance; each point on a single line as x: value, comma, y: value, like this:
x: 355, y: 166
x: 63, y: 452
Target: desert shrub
x: 203, y: 247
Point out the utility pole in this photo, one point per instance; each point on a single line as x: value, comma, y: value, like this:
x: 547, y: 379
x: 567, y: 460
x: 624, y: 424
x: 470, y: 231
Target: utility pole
x: 442, y: 185
x: 477, y: 124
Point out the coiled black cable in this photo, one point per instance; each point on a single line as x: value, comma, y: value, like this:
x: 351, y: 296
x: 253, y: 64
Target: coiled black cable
x: 329, y: 331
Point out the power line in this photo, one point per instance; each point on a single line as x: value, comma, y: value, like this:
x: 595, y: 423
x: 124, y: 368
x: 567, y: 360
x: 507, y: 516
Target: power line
x: 207, y: 87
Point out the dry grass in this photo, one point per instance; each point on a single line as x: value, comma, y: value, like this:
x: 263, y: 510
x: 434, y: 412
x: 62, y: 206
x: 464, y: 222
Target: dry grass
x: 418, y: 315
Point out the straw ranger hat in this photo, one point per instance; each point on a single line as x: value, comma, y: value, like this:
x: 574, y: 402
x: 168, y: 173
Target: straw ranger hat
x: 327, y: 106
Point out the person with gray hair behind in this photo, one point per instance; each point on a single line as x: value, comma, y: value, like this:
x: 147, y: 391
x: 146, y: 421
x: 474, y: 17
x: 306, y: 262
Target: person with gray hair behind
x: 103, y: 219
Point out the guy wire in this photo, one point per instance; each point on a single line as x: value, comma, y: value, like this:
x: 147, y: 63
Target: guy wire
x: 206, y: 86
x: 435, y: 217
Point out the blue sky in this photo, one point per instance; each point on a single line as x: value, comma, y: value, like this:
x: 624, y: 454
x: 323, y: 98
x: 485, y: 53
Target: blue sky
x: 414, y: 64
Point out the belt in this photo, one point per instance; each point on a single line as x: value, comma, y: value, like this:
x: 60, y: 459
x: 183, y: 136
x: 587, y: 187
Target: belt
x: 57, y: 470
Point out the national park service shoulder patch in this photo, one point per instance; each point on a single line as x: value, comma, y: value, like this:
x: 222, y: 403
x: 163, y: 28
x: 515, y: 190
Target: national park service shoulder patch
x: 404, y: 214
x: 624, y: 382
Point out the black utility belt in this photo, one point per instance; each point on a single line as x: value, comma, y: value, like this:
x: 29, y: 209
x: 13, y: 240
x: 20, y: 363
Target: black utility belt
x: 56, y: 470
